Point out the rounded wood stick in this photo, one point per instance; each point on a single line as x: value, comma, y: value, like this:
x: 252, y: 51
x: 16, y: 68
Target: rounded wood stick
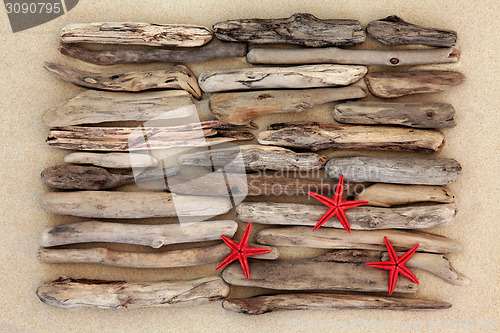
x: 387, y: 195
x: 112, y: 160
x: 69, y: 293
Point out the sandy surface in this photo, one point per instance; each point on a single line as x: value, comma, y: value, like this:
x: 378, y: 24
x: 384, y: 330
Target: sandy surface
x: 27, y: 90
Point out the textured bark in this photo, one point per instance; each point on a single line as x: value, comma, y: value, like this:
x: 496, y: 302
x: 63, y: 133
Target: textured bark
x: 68, y: 293
x: 387, y: 195
x: 301, y: 28
x: 129, y: 205
x: 317, y: 136
x: 397, y: 84
x: 210, y: 51
x: 334, y: 55
x: 155, y: 236
x: 177, y: 77
x: 112, y: 160
x: 419, y: 115
x: 242, y: 108
x: 311, y: 76
x: 136, y: 33
x: 392, y: 30
x: 93, y: 106
x: 418, y: 171
x: 331, y: 238
x: 319, y: 301
x: 360, y: 218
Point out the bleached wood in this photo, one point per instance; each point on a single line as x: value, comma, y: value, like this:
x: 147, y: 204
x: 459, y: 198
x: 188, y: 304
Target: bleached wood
x: 112, y: 160
x: 387, y: 195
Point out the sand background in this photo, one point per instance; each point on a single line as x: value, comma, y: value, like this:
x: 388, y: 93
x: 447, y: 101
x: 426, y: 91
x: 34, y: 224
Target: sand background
x: 27, y: 90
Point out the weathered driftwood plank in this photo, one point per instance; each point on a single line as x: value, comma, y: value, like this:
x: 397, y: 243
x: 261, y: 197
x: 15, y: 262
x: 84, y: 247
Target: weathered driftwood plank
x: 318, y: 136
x: 259, y: 184
x: 311, y: 76
x: 176, y: 77
x: 420, y: 115
x: 213, y: 50
x: 331, y: 238
x: 156, y: 235
x: 68, y: 293
x: 392, y: 30
x: 94, y: 106
x: 360, y: 218
x: 257, y: 157
x: 136, y: 33
x: 109, y: 204
x: 418, y: 171
x: 334, y: 55
x: 387, y: 195
x: 304, y: 274
x: 301, y: 28
x: 242, y: 108
x: 396, y: 84
x: 319, y: 301
x: 112, y: 160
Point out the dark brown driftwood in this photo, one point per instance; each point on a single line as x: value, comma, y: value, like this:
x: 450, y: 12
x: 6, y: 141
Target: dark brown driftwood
x: 317, y: 136
x: 392, y: 30
x: 396, y: 84
x: 302, y: 29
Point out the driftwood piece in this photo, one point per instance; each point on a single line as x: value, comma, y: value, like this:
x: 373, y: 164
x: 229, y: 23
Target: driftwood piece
x: 213, y: 50
x: 68, y: 293
x: 109, y: 204
x: 301, y: 28
x: 155, y: 236
x: 311, y: 76
x: 418, y: 171
x: 136, y: 33
x: 304, y: 274
x: 179, y: 258
x: 397, y: 84
x: 392, y: 30
x: 318, y: 136
x: 93, y: 106
x: 176, y: 77
x: 387, y: 195
x: 360, y: 218
x: 242, y: 108
x: 419, y: 115
x: 318, y: 301
x: 256, y: 158
x: 331, y: 238
x: 334, y: 55
x: 112, y: 160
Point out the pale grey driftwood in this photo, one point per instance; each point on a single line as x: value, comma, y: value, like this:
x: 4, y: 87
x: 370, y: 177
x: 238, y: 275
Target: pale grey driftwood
x: 112, y: 160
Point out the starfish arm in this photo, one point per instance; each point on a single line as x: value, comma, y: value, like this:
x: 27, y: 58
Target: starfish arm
x: 352, y: 204
x: 406, y: 272
x: 390, y: 250
x: 252, y: 251
x: 339, y: 190
x: 244, y: 265
x: 393, y: 277
x: 244, y: 239
x: 343, y: 219
x: 321, y: 198
x: 229, y: 259
x: 405, y: 257
x: 381, y: 264
x: 328, y: 215
x: 229, y: 242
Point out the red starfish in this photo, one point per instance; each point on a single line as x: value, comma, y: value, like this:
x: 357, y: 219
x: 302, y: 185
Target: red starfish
x: 395, y: 265
x: 336, y: 207
x: 241, y: 251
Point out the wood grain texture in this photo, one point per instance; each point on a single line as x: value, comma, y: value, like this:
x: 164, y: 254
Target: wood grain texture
x: 301, y: 28
x: 311, y: 76
x: 387, y: 195
x: 136, y: 33
x: 69, y: 293
x: 417, y: 171
x: 318, y: 136
x: 112, y: 160
x: 397, y: 84
x: 419, y: 115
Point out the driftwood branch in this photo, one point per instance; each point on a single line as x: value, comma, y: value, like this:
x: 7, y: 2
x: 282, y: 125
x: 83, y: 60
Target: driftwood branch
x: 311, y: 76
x: 68, y: 293
x: 317, y: 136
x: 420, y: 115
x: 334, y: 55
x: 177, y: 77
x: 213, y: 50
x: 387, y: 195
x: 136, y: 33
x: 417, y: 171
x: 301, y: 28
x: 396, y: 84
x: 112, y: 160
x: 242, y: 108
x: 155, y: 236
x: 392, y: 30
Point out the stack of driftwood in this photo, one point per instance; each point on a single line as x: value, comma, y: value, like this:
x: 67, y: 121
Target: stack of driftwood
x: 404, y: 194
